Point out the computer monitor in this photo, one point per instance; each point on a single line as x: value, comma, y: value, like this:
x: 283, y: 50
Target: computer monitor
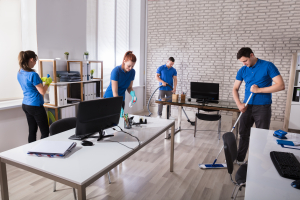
x: 96, y: 115
x: 205, y: 91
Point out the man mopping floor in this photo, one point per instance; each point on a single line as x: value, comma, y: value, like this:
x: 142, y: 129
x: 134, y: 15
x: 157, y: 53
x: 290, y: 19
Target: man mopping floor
x: 258, y: 76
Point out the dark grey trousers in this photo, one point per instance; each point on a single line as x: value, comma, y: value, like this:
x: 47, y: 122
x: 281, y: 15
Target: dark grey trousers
x: 258, y: 114
x: 163, y: 94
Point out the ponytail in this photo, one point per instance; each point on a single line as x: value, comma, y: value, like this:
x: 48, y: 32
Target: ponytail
x: 128, y: 56
x: 24, y: 57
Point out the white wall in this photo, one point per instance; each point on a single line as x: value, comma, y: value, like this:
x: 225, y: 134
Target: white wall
x: 205, y: 36
x: 61, y: 27
x: 14, y: 128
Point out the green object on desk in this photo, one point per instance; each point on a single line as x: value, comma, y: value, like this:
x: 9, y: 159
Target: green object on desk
x: 51, y: 116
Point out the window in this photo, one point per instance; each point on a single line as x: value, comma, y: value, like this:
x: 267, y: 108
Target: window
x: 11, y: 45
x: 17, y: 33
x: 110, y: 31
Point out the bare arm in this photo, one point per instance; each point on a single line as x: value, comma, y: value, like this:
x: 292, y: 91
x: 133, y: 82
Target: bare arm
x: 175, y: 84
x: 42, y: 88
x: 235, y: 93
x: 278, y: 86
x: 157, y: 77
x: 129, y: 89
x: 114, y: 88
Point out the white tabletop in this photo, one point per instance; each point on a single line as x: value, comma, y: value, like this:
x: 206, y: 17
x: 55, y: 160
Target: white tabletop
x: 86, y: 161
x: 263, y: 180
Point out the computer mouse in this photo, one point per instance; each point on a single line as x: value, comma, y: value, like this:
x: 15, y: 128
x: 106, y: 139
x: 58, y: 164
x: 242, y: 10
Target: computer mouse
x: 296, y: 184
x: 87, y: 143
x: 189, y: 99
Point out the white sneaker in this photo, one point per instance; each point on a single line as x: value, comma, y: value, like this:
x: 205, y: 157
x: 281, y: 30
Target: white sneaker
x: 172, y: 118
x: 241, y: 162
x: 159, y: 116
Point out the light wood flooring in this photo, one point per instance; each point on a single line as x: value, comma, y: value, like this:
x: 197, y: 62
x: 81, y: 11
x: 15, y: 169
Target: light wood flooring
x: 146, y: 174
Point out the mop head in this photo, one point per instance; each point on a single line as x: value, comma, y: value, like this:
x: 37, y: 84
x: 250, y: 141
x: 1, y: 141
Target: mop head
x: 212, y: 166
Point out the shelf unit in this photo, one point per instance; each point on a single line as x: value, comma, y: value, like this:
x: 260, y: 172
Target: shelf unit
x: 55, y: 83
x: 292, y: 109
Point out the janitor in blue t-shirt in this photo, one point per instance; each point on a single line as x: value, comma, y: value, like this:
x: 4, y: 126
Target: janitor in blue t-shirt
x: 166, y: 74
x: 258, y: 76
x: 121, y: 79
x: 33, y: 91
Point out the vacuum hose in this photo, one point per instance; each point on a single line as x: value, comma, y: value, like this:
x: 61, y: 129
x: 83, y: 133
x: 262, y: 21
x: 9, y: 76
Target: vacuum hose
x: 150, y: 113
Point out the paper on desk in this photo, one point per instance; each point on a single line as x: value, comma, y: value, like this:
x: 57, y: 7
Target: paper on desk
x: 52, y: 147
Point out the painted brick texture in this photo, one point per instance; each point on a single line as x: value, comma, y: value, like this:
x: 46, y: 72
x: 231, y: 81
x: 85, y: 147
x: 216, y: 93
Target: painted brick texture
x: 204, y: 37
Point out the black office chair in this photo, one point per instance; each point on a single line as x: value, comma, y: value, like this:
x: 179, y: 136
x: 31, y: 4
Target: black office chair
x: 208, y: 117
x: 230, y: 149
x: 61, y: 126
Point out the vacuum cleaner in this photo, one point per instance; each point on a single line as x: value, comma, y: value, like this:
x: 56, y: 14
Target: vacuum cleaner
x: 150, y: 113
x: 220, y: 166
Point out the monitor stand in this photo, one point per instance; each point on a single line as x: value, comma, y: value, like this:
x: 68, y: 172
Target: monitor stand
x: 199, y: 100
x: 202, y: 101
x: 205, y: 101
x: 101, y: 135
x: 80, y: 137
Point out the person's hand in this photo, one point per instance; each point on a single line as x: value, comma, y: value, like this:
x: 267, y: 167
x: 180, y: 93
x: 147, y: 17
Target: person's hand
x: 43, y: 79
x: 122, y: 112
x: 133, y: 99
x: 242, y: 107
x: 174, y: 91
x: 254, y: 88
x: 164, y: 83
x: 48, y: 81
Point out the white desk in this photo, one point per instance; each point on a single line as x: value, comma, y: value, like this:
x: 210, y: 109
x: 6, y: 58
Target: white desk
x: 263, y: 180
x: 85, y: 164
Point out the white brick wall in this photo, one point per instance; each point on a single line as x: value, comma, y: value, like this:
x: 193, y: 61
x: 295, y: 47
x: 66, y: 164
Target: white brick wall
x: 204, y: 37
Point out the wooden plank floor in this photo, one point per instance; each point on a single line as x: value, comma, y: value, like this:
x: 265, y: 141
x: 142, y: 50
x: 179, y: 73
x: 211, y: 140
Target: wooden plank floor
x: 146, y: 174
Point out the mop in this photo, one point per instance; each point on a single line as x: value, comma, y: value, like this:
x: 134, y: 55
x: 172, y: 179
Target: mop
x: 220, y: 166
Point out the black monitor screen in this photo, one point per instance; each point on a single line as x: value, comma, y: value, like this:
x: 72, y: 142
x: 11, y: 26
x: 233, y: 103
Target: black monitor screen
x: 205, y: 91
x: 97, y: 115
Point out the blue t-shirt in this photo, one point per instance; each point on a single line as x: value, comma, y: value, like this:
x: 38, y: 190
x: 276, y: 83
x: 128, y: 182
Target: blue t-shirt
x: 166, y: 74
x: 260, y: 74
x: 124, y: 80
x: 28, y: 81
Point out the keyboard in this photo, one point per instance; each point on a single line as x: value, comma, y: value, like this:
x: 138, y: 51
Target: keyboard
x: 286, y: 164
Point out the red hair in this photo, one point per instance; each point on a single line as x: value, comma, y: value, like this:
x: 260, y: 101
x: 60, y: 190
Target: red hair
x: 129, y: 56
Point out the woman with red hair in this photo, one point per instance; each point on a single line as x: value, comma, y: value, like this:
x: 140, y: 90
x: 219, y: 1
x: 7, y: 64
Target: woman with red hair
x: 121, y: 79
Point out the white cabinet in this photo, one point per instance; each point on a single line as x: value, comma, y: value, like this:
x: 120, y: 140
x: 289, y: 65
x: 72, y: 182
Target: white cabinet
x: 295, y: 117
x: 292, y: 110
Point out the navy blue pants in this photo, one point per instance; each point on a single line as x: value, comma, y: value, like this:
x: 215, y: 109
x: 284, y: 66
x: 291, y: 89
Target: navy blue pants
x: 258, y: 114
x: 36, y: 117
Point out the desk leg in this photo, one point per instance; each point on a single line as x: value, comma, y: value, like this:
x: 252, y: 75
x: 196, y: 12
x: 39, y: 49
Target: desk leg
x: 172, y: 148
x: 167, y: 135
x: 168, y: 111
x: 3, y: 181
x: 81, y: 193
x: 179, y: 117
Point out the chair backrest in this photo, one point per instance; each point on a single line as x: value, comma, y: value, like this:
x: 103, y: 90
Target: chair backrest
x: 230, y: 149
x: 62, y: 125
x: 207, y: 110
x: 206, y: 117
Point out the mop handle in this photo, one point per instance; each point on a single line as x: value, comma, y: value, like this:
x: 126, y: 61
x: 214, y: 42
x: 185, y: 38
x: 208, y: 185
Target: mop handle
x: 233, y: 127
x: 241, y: 112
